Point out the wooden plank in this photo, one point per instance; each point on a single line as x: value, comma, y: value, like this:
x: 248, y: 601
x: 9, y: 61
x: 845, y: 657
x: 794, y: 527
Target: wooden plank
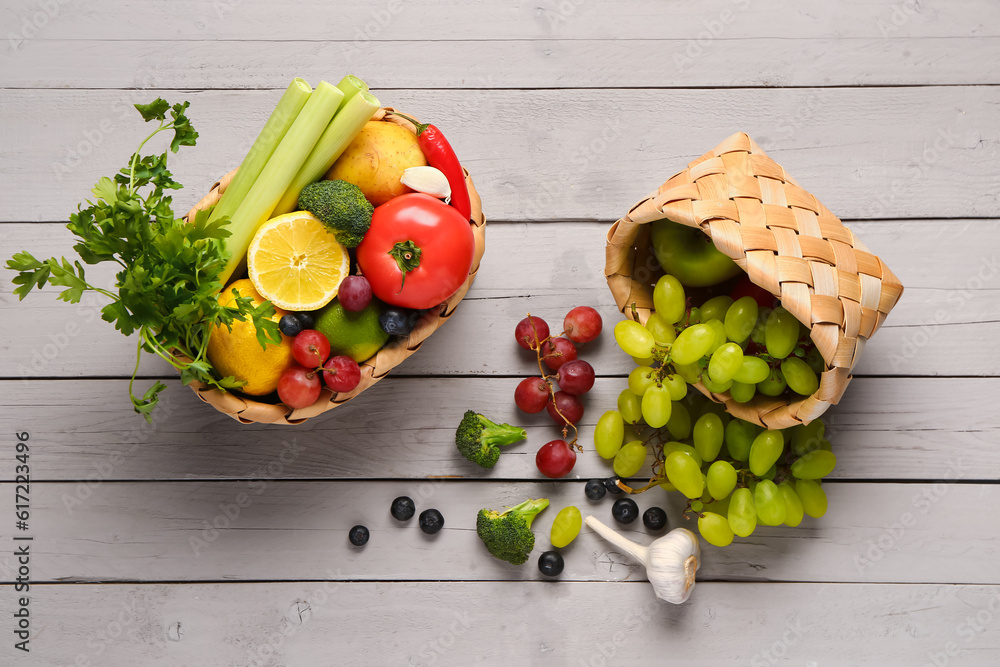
x: 534, y: 158
x: 539, y: 63
x: 526, y: 623
x: 891, y: 428
x: 242, y: 530
x: 361, y: 22
x: 950, y: 308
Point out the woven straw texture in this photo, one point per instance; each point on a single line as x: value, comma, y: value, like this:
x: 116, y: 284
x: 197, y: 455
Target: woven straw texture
x: 248, y: 411
x: 786, y: 241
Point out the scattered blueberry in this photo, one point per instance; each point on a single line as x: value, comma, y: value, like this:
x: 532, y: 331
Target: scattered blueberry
x: 595, y: 490
x: 403, y: 508
x: 289, y: 325
x: 611, y: 484
x: 654, y: 518
x: 398, y: 321
x: 431, y: 521
x: 359, y: 536
x: 550, y: 564
x: 625, y: 510
x: 307, y: 320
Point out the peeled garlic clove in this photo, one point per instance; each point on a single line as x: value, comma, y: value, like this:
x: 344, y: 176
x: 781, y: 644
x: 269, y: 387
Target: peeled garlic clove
x: 428, y: 180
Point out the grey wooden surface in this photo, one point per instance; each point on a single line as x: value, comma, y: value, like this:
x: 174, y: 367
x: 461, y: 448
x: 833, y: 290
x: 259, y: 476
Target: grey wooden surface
x: 565, y: 112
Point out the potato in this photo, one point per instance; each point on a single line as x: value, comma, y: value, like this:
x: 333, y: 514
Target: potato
x: 376, y: 158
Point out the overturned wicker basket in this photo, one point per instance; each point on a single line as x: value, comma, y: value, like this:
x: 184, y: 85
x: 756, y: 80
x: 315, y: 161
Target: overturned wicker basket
x: 247, y: 410
x: 786, y: 241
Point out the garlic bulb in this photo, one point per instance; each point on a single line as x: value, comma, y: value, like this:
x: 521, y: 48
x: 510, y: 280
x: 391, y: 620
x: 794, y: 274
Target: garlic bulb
x: 428, y: 180
x: 671, y: 561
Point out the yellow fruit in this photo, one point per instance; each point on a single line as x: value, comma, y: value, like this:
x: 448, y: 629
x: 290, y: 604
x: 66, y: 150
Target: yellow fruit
x: 357, y: 335
x: 376, y: 159
x: 296, y: 262
x: 238, y: 353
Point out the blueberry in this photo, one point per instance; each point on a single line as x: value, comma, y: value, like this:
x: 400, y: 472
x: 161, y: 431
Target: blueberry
x: 625, y: 510
x: 550, y: 564
x: 431, y: 521
x: 358, y: 536
x: 398, y: 321
x: 307, y: 320
x: 289, y: 325
x: 654, y: 518
x: 595, y: 490
x: 402, y: 508
x: 611, y: 484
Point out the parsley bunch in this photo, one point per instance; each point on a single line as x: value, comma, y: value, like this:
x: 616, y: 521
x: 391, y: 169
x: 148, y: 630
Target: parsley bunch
x: 168, y: 281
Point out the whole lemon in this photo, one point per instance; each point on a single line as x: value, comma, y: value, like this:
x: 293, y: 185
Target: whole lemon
x: 238, y: 353
x: 376, y: 158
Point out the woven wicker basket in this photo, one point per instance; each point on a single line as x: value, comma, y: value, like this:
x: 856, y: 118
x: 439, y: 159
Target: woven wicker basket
x: 786, y: 241
x: 247, y: 410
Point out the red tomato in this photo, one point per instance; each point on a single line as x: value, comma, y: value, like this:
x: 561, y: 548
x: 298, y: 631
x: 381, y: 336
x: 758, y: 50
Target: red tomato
x: 418, y: 251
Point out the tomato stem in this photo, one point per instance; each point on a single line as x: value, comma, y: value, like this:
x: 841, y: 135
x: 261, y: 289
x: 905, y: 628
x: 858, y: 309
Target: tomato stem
x: 407, y: 256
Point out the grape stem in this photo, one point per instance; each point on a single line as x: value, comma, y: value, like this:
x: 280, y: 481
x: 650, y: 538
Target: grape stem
x: 537, y: 347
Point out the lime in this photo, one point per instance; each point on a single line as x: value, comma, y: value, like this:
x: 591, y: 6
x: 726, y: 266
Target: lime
x: 358, y: 335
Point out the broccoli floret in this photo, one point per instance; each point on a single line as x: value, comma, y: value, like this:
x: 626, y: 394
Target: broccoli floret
x: 508, y: 534
x: 341, y: 207
x: 478, y: 438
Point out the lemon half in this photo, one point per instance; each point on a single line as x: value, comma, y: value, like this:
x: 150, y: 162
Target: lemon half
x: 296, y: 262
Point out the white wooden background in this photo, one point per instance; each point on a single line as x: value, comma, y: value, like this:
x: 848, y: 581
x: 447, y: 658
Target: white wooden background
x: 565, y: 112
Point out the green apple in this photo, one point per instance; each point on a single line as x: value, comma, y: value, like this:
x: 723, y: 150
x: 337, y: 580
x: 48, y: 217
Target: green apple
x: 689, y: 255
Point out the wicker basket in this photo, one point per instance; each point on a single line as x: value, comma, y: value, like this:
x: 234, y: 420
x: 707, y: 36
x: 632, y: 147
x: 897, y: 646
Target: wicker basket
x: 247, y: 410
x: 786, y: 241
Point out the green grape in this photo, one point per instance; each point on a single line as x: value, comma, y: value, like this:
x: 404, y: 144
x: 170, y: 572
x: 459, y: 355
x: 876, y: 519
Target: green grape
x: 715, y: 408
x: 647, y: 361
x: 742, y: 514
x: 774, y: 385
x: 679, y: 424
x: 715, y: 529
x: 632, y: 432
x: 741, y: 318
x: 708, y: 436
x: 629, y: 406
x: 663, y: 331
x: 684, y: 474
x: 697, y: 505
x: 609, y: 434
x: 719, y: 506
x: 739, y: 437
x: 826, y: 445
x: 814, y: 465
x: 800, y: 378
x: 752, y: 370
x: 771, y: 472
x: 725, y: 362
x: 769, y: 504
x: 674, y: 446
x: 690, y: 373
x: 721, y: 479
x: 565, y: 527
x: 634, y: 339
x: 716, y: 308
x: 757, y: 334
x: 677, y: 387
x: 715, y: 387
x: 793, y: 506
x: 720, y: 335
x: 656, y: 405
x: 641, y: 379
x: 813, y: 497
x: 781, y: 333
x: 815, y: 360
x: 692, y: 344
x: 807, y: 437
x: 742, y: 393
x: 765, y: 451
x: 630, y: 458
x: 669, y: 299
x: 694, y: 316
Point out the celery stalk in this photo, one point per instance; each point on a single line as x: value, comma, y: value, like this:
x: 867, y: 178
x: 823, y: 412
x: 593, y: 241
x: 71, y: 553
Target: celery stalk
x: 281, y: 168
x: 350, y: 86
x: 345, y: 126
x: 277, y: 125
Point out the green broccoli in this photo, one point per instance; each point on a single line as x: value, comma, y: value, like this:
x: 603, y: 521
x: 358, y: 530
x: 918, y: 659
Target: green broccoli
x: 341, y: 207
x: 477, y: 438
x: 507, y: 535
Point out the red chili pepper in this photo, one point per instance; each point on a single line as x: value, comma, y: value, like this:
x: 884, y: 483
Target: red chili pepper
x: 440, y: 155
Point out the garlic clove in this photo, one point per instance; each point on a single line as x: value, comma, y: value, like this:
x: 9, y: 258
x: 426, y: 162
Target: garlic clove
x: 428, y: 180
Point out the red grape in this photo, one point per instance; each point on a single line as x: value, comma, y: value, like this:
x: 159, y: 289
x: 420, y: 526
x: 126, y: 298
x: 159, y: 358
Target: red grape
x: 531, y: 395
x: 557, y: 351
x: 528, y: 337
x: 310, y: 348
x: 341, y: 373
x: 576, y: 377
x: 555, y: 459
x: 298, y: 387
x: 569, y: 405
x: 582, y: 324
x: 355, y: 293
